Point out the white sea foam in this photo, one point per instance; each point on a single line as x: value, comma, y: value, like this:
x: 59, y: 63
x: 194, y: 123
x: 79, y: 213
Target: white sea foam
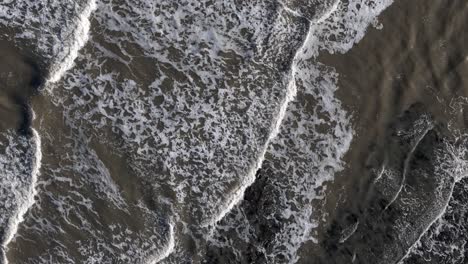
x: 195, y: 92
x: 168, y: 249
x: 54, y: 30
x: 332, y: 145
x: 28, y: 16
x: 179, y: 127
x: 328, y: 12
x: 22, y: 187
x: 307, y: 151
x: 406, y: 165
x: 137, y: 115
x: 237, y: 196
x: 71, y: 47
x: 452, y: 166
x: 349, y: 26
x: 348, y: 232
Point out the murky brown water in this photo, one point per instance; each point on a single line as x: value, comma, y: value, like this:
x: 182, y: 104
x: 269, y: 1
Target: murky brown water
x: 416, y: 65
x: 175, y: 137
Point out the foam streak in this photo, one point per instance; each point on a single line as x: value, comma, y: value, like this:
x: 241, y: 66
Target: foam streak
x: 79, y: 38
x: 442, y: 213
x: 291, y: 91
x: 406, y: 165
x: 15, y: 221
x: 165, y: 252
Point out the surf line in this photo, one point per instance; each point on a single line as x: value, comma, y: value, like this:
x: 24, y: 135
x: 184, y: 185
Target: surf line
x: 237, y: 196
x: 428, y: 226
x: 166, y: 251
x: 406, y: 165
x: 15, y: 221
x: 58, y: 69
x: 80, y: 37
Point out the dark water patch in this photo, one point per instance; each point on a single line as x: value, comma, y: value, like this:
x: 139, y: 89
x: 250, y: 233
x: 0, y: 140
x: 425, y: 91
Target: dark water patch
x: 20, y: 80
x: 389, y: 83
x: 400, y: 204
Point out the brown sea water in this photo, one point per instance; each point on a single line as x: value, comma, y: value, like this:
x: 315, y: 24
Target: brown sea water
x: 233, y: 131
x: 411, y: 70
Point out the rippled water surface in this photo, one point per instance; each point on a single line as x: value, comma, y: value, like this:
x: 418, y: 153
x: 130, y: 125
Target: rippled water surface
x: 232, y: 131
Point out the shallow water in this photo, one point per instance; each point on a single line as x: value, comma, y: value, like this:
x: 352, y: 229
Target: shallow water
x: 290, y: 131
